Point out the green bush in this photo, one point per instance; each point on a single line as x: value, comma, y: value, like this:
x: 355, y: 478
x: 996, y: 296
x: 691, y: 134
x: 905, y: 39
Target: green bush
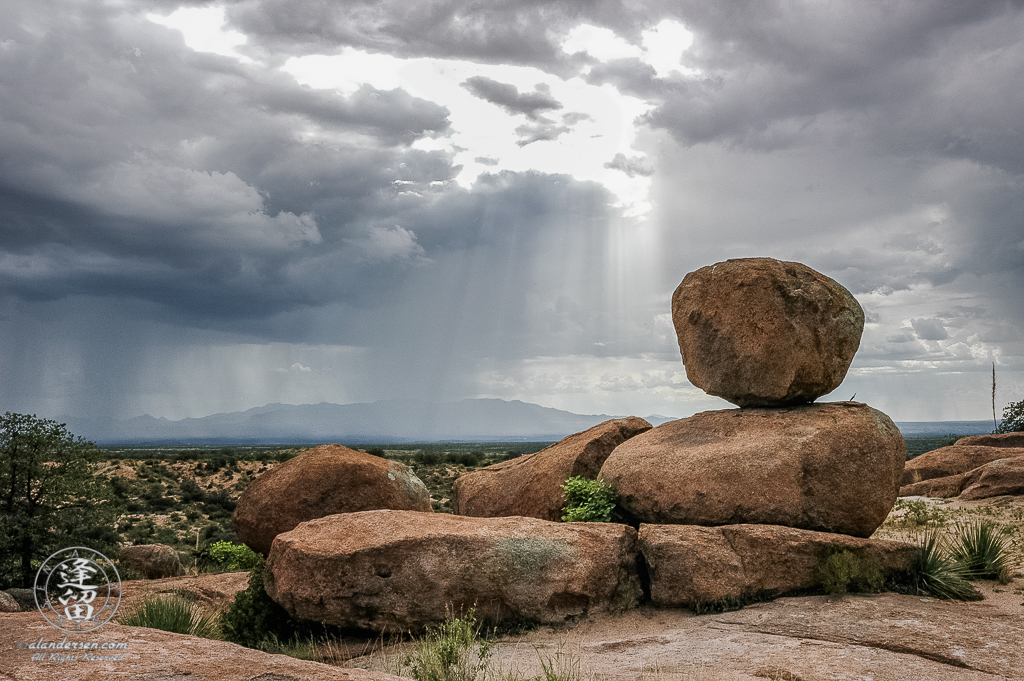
x: 981, y: 548
x: 175, y: 613
x: 1013, y: 418
x: 939, y: 575
x: 588, y: 501
x: 842, y: 572
x: 452, y: 651
x: 231, y: 557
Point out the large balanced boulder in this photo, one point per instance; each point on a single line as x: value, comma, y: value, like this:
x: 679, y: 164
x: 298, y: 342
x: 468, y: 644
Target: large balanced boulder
x: 152, y: 561
x: 832, y: 467
x: 760, y: 332
x: 401, y: 571
x: 689, y: 565
x: 955, y: 459
x: 323, y: 481
x: 530, y: 485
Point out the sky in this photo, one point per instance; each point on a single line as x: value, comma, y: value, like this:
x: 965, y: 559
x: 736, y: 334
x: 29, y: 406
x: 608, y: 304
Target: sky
x: 208, y: 207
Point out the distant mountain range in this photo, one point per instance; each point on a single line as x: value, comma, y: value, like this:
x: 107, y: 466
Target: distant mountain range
x: 475, y: 420
x: 402, y: 420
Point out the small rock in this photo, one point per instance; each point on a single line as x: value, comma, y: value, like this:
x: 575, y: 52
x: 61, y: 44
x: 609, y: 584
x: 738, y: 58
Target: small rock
x: 955, y: 459
x: 832, y: 467
x: 938, y: 488
x: 7, y: 603
x: 530, y: 485
x: 760, y: 332
x: 398, y: 571
x: 320, y: 482
x: 25, y: 598
x: 690, y: 564
x: 152, y: 561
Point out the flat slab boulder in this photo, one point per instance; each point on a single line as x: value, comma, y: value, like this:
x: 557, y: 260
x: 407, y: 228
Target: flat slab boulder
x: 994, y: 440
x: 760, y: 332
x: 953, y: 460
x: 689, y: 564
x: 995, y: 479
x: 319, y: 482
x: 832, y: 467
x: 937, y: 488
x: 530, y: 485
x: 401, y: 571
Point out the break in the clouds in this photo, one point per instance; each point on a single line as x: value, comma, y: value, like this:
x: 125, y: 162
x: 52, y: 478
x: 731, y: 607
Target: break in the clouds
x: 211, y: 206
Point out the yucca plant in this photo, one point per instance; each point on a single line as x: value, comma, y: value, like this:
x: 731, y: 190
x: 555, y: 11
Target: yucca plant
x: 940, y: 575
x: 175, y: 613
x: 981, y: 547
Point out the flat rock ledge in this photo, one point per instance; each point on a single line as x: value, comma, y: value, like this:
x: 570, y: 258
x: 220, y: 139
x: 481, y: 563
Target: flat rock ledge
x: 399, y: 571
x: 151, y: 654
x: 689, y: 564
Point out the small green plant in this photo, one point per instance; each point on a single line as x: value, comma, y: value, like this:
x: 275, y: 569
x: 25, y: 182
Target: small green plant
x: 231, y: 557
x: 939, y: 575
x: 588, y: 501
x: 175, y: 613
x: 842, y: 572
x: 452, y: 651
x: 919, y: 513
x: 981, y: 548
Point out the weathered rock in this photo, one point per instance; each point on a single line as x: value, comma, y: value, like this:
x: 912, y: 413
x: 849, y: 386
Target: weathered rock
x: 994, y: 479
x: 938, y: 488
x: 7, y: 603
x: 402, y: 570
x: 760, y: 332
x: 832, y: 467
x: 530, y: 485
x: 690, y: 564
x: 994, y: 440
x: 150, y: 654
x: 958, y: 458
x: 25, y: 598
x: 319, y: 482
x: 152, y: 561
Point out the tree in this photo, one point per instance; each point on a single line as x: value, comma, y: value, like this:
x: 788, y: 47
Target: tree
x: 50, y: 497
x: 1013, y: 418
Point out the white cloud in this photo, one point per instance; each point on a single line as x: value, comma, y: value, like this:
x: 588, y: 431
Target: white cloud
x: 203, y: 29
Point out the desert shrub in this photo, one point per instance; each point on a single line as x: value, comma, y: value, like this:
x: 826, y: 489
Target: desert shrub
x: 981, y: 548
x: 588, y: 501
x: 842, y: 572
x: 452, y: 651
x: 428, y: 457
x: 939, y: 575
x: 175, y: 613
x: 376, y: 451
x: 919, y: 513
x: 1013, y: 418
x: 468, y: 459
x: 232, y: 557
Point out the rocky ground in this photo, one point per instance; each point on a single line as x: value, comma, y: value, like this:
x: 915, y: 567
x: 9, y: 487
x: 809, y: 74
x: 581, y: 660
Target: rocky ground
x: 881, y: 637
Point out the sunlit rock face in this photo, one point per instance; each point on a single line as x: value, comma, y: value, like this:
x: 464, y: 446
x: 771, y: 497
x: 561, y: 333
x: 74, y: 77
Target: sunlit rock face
x: 760, y: 332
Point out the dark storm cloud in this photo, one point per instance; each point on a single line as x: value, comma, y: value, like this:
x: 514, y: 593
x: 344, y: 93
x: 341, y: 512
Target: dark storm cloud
x: 525, y: 32
x: 133, y: 166
x: 509, y: 98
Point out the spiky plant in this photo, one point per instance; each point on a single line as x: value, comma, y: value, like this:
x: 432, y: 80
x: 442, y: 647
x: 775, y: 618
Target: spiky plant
x: 175, y: 613
x: 981, y: 547
x: 939, y: 575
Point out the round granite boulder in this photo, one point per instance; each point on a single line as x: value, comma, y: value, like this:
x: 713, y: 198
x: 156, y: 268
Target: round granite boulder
x: 833, y: 467
x: 319, y: 482
x: 760, y: 332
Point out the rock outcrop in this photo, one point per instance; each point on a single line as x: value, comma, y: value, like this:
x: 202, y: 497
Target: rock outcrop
x: 994, y: 440
x: 955, y: 459
x: 994, y: 479
x: 398, y: 571
x: 530, y: 485
x: 152, y: 561
x: 832, y: 467
x: 319, y: 482
x: 690, y: 565
x: 760, y: 332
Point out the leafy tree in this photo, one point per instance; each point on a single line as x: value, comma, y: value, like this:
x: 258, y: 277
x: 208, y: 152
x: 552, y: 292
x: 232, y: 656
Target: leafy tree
x: 50, y: 498
x: 1013, y: 418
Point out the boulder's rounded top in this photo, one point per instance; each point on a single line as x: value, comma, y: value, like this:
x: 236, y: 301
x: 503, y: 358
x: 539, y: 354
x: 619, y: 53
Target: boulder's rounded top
x: 765, y: 332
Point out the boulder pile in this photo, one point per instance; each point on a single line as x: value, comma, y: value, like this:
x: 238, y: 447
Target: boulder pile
x: 782, y: 473
x: 722, y: 505
x: 975, y: 467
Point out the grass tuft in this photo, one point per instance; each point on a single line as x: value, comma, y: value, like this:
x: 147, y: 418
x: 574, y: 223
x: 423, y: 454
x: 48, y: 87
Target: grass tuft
x: 175, y: 613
